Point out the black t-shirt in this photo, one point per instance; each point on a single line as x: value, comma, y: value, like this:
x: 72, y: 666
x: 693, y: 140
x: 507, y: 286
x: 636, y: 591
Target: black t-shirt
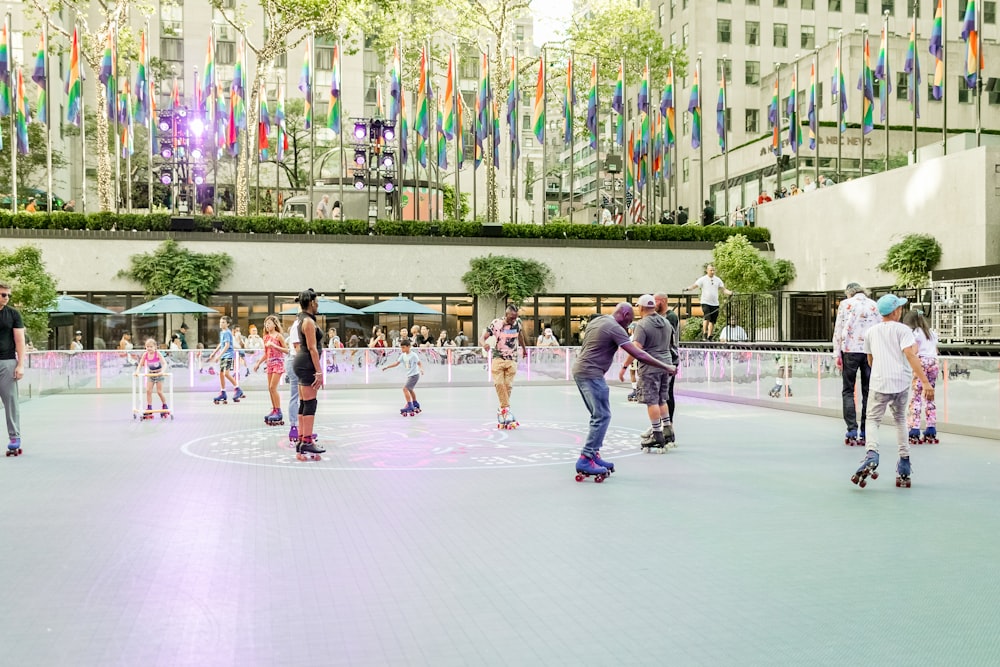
x: 10, y: 319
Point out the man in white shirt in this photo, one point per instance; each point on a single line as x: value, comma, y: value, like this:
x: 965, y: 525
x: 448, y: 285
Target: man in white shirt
x: 710, y: 284
x: 892, y: 354
x: 293, y: 384
x: 855, y: 316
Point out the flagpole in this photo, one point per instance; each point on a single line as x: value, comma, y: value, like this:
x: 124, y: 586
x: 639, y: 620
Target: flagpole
x: 861, y: 107
x: 83, y: 132
x: 624, y: 119
x: 429, y: 142
x: 476, y: 143
x: 114, y: 107
x: 885, y: 82
x: 260, y: 93
x: 914, y: 76
x: 675, y: 181
x: 458, y: 133
x: 795, y: 117
x: 150, y: 124
x: 279, y: 147
x: 48, y: 118
x: 648, y: 147
x: 128, y: 155
x: 725, y: 139
x: 513, y: 127
x: 312, y: 130
x: 437, y: 163
x: 776, y: 130
x: 979, y: 74
x: 12, y: 86
x: 701, y: 143
x: 340, y: 119
x: 545, y: 136
x: 944, y: 78
x: 815, y: 79
x: 597, y: 151
x: 840, y: 103
x: 400, y: 167
x: 215, y: 129
x: 572, y: 121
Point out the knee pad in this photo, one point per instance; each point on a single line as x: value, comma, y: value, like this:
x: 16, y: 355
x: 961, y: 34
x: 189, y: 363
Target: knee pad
x: 307, y: 408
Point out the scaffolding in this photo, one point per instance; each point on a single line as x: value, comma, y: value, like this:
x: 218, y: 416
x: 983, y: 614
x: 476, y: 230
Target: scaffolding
x: 967, y: 310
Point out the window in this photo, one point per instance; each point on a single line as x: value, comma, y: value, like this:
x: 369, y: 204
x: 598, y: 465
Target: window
x: 673, y: 7
x: 930, y: 90
x: 171, y: 49
x: 834, y: 5
x: 725, y: 2
x: 752, y: 73
x: 889, y: 6
x: 902, y: 85
x: 961, y: 10
x: 223, y: 30
x: 808, y: 40
x: 990, y: 12
x: 685, y: 124
x: 661, y: 18
x: 225, y: 53
x: 753, y: 33
x: 965, y: 94
x: 808, y: 4
x: 526, y: 123
x: 753, y: 3
x: 911, y: 7
x: 324, y: 58
x: 752, y: 121
x: 724, y: 31
x: 673, y: 39
x: 780, y: 3
x: 860, y: 6
x: 781, y: 35
x: 684, y: 36
x: 724, y: 67
x: 832, y: 34
x: 171, y: 20
x: 686, y: 169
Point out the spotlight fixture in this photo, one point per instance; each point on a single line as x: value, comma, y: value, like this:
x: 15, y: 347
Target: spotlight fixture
x: 388, y: 160
x: 360, y: 157
x: 166, y: 151
x: 389, y: 184
x: 359, y: 180
x: 199, y: 176
x: 182, y: 112
x: 197, y: 127
x: 360, y: 130
x: 164, y: 125
x: 389, y: 131
x: 196, y: 154
x: 166, y: 176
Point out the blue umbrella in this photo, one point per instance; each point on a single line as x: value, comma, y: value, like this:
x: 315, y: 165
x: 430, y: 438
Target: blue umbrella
x: 70, y: 305
x: 327, y: 307
x: 399, y: 305
x: 169, y: 304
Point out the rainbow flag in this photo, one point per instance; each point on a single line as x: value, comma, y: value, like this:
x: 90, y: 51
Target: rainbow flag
x: 404, y: 128
x: 442, y: 138
x: 513, y: 102
x: 128, y: 122
x: 175, y: 96
x: 774, y: 119
x: 334, y: 120
x: 263, y: 126
x: 883, y: 75
x: 152, y: 112
x: 306, y: 82
x: 840, y: 90
x: 395, y: 85
x: 448, y: 122
x: 459, y: 137
x: 867, y: 88
x: 423, y: 93
x: 5, y: 69
x: 21, y: 116
x: 630, y: 163
x: 232, y: 130
x: 569, y: 104
x: 643, y: 100
x: 794, y: 125
x: 74, y: 84
x: 38, y: 76
x: 669, y: 108
x: 478, y: 120
x: 240, y: 85
x: 592, y: 106
x: 279, y: 120
x: 618, y: 105
x: 658, y: 147
x: 109, y: 76
x: 720, y: 114
x: 937, y: 50
x: 141, y: 113
x: 496, y: 134
x: 973, y: 58
x: 813, y: 120
x: 694, y: 108
x: 912, y: 68
x: 538, y: 109
x: 208, y: 77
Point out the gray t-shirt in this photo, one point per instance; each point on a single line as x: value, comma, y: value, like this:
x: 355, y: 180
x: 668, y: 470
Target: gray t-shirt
x: 603, y: 338
x: 654, y: 334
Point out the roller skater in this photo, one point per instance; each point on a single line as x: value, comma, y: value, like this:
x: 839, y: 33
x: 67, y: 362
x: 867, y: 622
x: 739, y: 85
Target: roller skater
x: 654, y: 334
x: 224, y: 351
x: 414, y: 369
x: 605, y: 334
x: 293, y: 386
x: 903, y: 473
x: 868, y: 466
x: 12, y: 355
x: 308, y: 450
x: 309, y: 371
x: 14, y: 447
x: 927, y: 353
x: 274, y: 355
x: 153, y: 363
x: 221, y: 398
x: 855, y: 316
x: 508, y: 332
x: 710, y: 286
x: 892, y: 353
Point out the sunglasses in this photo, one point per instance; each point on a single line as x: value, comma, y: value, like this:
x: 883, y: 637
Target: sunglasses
x: 4, y: 295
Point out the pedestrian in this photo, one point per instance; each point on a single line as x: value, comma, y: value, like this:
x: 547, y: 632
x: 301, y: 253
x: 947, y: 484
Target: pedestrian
x: 323, y: 207
x: 77, y: 344
x: 682, y: 215
x: 733, y: 332
x: 663, y: 308
x: 12, y: 356
x: 183, y: 335
x: 274, y: 354
x: 175, y: 343
x: 709, y: 284
x: 547, y: 339
x: 927, y: 352
x: 892, y: 354
x: 605, y: 334
x: 239, y: 344
x: 292, y: 344
x: 70, y: 206
x: 154, y: 364
x: 809, y: 186
x: 309, y: 372
x: 414, y: 369
x: 738, y: 217
x: 254, y: 341
x: 31, y: 206
x: 855, y: 316
x: 606, y: 218
x: 225, y: 351
x: 708, y: 214
x: 654, y: 334
x: 336, y: 213
x: 504, y: 338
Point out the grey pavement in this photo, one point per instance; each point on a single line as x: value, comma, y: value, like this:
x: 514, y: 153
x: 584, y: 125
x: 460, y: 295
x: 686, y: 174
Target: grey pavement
x: 439, y: 540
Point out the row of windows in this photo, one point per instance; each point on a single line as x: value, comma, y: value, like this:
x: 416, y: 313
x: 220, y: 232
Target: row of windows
x: 864, y: 6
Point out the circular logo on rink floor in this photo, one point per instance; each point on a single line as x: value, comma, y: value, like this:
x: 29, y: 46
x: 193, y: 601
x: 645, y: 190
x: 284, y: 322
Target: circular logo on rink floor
x: 416, y: 444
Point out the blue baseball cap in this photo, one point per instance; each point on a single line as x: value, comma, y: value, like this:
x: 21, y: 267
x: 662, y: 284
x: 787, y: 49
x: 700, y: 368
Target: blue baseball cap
x: 889, y: 303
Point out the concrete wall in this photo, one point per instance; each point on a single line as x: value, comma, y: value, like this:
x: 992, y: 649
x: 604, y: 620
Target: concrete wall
x: 840, y: 234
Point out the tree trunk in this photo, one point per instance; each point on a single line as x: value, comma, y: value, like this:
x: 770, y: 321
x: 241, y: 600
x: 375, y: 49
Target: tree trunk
x: 248, y: 151
x: 105, y: 177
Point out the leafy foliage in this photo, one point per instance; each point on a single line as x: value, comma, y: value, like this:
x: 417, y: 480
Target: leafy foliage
x: 691, y: 329
x: 503, y: 277
x: 784, y: 273
x: 177, y: 270
x: 742, y: 266
x: 33, y: 288
x: 912, y: 259
x: 449, y: 203
x: 30, y: 167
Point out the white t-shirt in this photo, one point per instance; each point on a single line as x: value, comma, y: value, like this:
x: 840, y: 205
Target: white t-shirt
x: 293, y: 335
x: 926, y: 347
x: 733, y: 332
x: 710, y: 289
x: 606, y: 218
x: 76, y: 346
x: 891, y: 372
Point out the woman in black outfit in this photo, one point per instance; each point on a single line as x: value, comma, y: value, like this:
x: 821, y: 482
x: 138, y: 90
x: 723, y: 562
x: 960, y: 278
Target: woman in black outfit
x: 309, y: 372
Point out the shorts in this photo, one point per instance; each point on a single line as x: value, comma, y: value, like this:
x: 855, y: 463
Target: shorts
x: 225, y: 364
x: 710, y: 313
x: 411, y: 381
x: 504, y: 371
x: 155, y: 379
x: 275, y: 366
x: 304, y: 370
x: 655, y: 386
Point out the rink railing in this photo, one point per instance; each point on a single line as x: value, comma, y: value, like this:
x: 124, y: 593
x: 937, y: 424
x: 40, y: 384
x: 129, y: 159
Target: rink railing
x: 968, y: 388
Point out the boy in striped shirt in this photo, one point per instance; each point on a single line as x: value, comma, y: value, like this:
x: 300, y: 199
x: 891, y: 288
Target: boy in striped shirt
x: 892, y: 354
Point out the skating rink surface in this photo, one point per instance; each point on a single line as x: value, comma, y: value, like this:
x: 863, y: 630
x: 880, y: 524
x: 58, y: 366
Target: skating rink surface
x: 439, y: 540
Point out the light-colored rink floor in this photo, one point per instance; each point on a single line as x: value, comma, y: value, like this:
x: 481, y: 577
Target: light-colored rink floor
x: 439, y: 540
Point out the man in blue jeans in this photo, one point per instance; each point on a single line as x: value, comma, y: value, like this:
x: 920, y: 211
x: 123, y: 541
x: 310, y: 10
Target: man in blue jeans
x: 604, y: 335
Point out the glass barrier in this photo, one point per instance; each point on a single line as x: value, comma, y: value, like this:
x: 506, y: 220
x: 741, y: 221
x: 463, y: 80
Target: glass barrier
x: 968, y: 388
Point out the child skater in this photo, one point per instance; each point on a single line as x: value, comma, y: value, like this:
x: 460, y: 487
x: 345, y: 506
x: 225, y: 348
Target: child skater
x: 224, y: 351
x: 782, y: 381
x: 927, y: 352
x: 274, y: 353
x: 153, y: 362
x: 414, y: 369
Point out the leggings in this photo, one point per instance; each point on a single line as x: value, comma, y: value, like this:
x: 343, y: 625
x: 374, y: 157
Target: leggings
x: 919, y: 405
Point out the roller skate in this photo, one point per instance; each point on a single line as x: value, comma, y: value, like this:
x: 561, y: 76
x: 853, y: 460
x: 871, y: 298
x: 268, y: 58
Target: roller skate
x: 930, y: 435
x: 148, y: 414
x: 634, y: 396
x: 416, y: 407
x: 238, y: 395
x: 505, y: 419
x: 408, y: 410
x: 307, y: 450
x: 165, y: 411
x: 275, y: 418
x: 775, y: 391
x: 915, y: 438
x: 868, y: 466
x: 604, y: 464
x: 221, y: 398
x: 654, y: 440
x: 903, y: 472
x: 588, y: 467
x: 851, y: 438
x: 293, y: 435
x: 14, y: 447
x: 669, y: 438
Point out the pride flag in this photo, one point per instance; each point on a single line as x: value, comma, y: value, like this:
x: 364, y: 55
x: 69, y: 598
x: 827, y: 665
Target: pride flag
x: 128, y: 122
x: 5, y: 67
x: 912, y: 68
x: 643, y: 100
x: 794, y: 126
x: 538, y: 109
x: 141, y: 114
x: 774, y: 119
x: 423, y: 120
x: 459, y: 137
x: 513, y: 102
x: 569, y: 104
x: 281, y: 145
x: 840, y: 90
x: 813, y: 120
x: 883, y: 75
x: 937, y: 50
x: 404, y: 127
x: 306, y: 83
x: 263, y: 126
x: 669, y: 108
x: 481, y: 113
x: 694, y: 108
x: 74, y: 85
x: 592, y: 106
x: 720, y: 114
x: 496, y: 134
x: 21, y: 116
x: 442, y: 138
x: 618, y: 105
x: 445, y: 105
x: 866, y: 86
x: 208, y: 77
x: 175, y: 96
x: 970, y: 35
x: 109, y: 75
x: 395, y: 85
x: 38, y: 76
x: 334, y: 120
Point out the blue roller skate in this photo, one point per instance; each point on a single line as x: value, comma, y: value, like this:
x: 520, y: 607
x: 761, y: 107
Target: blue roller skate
x: 416, y: 407
x: 930, y: 435
x: 604, y: 464
x: 275, y: 418
x: 914, y: 436
x: 238, y: 395
x: 221, y: 398
x: 148, y: 414
x: 851, y: 437
x: 868, y: 466
x: 293, y: 435
x: 165, y: 412
x: 14, y: 447
x: 407, y: 410
x: 588, y: 467
x: 903, y: 472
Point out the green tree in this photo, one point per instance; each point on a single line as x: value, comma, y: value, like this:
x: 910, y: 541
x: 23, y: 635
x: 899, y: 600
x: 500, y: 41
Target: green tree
x: 912, y: 259
x: 31, y: 167
x: 507, y: 278
x: 742, y: 266
x: 172, y: 269
x: 33, y: 288
x: 449, y: 203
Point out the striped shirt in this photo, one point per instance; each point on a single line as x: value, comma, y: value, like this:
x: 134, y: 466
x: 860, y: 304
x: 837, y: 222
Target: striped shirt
x: 854, y: 317
x: 891, y: 372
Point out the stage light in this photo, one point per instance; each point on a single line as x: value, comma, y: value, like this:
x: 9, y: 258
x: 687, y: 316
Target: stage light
x: 166, y: 177
x: 196, y: 153
x: 389, y: 132
x: 359, y: 180
x: 389, y: 184
x: 199, y: 176
x: 360, y: 157
x: 197, y: 127
x: 164, y: 125
x: 166, y: 152
x: 182, y: 112
x: 388, y: 161
x: 360, y: 130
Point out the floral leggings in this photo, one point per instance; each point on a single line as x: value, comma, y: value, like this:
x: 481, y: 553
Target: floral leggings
x: 918, y: 404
